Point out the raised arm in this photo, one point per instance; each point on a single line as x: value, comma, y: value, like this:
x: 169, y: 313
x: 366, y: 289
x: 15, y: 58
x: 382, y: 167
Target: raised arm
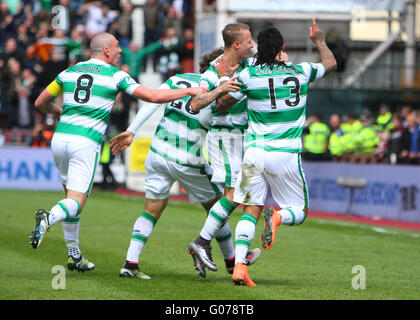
x: 318, y: 38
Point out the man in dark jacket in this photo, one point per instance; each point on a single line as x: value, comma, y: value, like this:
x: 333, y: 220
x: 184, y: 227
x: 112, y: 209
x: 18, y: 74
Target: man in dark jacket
x: 410, y: 140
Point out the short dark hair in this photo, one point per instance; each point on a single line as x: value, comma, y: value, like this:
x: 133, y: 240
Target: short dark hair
x: 233, y: 32
x: 209, y: 57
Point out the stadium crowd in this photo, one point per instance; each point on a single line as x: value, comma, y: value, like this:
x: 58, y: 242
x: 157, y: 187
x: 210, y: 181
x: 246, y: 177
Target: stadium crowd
x: 390, y: 137
x: 38, y: 40
x: 33, y: 50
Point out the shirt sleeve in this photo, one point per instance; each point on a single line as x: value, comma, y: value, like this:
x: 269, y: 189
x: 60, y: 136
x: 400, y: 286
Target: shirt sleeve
x: 205, y: 117
x: 242, y: 79
x: 145, y: 113
x: 209, y: 80
x: 313, y: 70
x: 59, y: 78
x: 126, y: 83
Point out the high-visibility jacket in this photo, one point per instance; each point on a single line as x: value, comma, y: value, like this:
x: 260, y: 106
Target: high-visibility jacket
x: 316, y: 140
x: 335, y: 143
x: 367, y: 140
x: 384, y: 121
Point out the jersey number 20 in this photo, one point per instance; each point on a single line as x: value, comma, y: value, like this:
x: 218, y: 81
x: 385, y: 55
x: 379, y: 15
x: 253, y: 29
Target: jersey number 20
x: 178, y: 103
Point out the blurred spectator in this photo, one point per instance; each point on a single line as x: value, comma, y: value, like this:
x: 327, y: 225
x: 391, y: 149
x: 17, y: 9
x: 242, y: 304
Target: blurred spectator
x: 315, y: 142
x: 7, y: 26
x: 350, y: 123
x: 350, y: 126
x: 75, y: 46
x: 334, y: 141
x: 183, y: 11
x: 169, y: 59
x: 134, y: 57
x: 19, y: 95
x: 410, y: 140
x: 173, y: 19
x: 367, y: 140
x: 24, y: 86
x: 152, y: 27
x: 392, y: 143
x: 383, y: 121
x: 405, y: 110
x: 11, y: 51
x: 186, y: 52
x: 125, y: 23
x: 24, y: 37
x: 98, y: 17
x: 75, y: 17
x: 42, y: 47
x: 12, y: 78
x: 60, y: 40
x: 54, y: 66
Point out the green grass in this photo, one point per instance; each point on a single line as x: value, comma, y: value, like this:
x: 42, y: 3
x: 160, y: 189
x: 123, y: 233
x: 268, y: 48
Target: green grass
x: 311, y: 261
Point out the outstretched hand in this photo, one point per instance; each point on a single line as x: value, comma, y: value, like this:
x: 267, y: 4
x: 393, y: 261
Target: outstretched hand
x: 121, y: 142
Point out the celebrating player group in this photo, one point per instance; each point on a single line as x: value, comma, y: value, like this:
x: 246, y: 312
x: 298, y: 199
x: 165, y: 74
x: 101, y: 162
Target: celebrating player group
x: 251, y: 110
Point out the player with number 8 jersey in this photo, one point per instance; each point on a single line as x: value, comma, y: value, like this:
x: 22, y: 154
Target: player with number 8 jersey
x: 89, y: 91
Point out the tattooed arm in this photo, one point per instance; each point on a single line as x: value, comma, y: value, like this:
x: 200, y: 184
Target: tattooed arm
x: 225, y: 102
x: 318, y: 38
x: 203, y: 100
x: 45, y: 103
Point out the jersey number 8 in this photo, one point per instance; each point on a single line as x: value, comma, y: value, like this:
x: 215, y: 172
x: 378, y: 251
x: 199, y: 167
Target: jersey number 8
x: 83, y: 88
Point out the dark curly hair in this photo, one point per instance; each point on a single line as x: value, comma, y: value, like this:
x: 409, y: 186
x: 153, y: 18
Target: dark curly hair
x: 209, y: 57
x: 270, y: 42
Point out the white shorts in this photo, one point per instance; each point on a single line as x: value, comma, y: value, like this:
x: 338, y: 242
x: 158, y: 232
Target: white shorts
x: 76, y: 163
x: 226, y: 151
x: 279, y: 171
x: 162, y: 173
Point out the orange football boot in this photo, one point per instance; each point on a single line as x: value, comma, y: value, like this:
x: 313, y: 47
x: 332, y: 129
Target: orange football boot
x: 241, y: 277
x: 272, y: 219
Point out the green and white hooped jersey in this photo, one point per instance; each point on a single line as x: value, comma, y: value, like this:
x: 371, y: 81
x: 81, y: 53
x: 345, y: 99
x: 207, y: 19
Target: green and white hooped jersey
x: 277, y: 104
x: 180, y: 134
x: 236, y: 118
x: 89, y: 92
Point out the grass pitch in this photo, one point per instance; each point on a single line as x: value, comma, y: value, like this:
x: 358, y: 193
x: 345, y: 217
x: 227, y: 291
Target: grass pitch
x: 311, y: 261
